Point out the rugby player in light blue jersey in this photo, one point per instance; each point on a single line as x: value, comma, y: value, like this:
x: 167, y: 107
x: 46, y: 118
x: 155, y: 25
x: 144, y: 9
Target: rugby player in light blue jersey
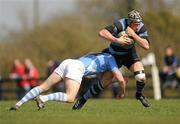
x: 71, y: 72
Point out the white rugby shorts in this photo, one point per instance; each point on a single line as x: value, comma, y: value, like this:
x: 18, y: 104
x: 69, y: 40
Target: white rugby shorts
x: 71, y: 68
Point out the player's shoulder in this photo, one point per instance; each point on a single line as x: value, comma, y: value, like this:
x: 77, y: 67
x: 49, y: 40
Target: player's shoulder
x: 121, y: 20
x: 142, y: 28
x: 121, y: 23
x: 108, y: 55
x: 100, y: 55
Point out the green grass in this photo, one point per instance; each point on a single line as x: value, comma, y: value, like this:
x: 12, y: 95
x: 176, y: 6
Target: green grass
x: 101, y: 111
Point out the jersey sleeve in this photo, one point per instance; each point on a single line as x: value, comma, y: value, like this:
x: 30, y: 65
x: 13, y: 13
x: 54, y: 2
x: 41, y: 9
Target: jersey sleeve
x: 143, y: 33
x: 112, y: 64
x: 115, y: 28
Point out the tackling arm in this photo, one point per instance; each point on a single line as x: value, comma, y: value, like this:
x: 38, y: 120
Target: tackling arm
x: 118, y: 75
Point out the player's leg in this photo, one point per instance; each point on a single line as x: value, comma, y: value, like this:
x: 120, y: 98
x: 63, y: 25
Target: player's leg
x: 72, y: 88
x: 140, y: 77
x: 48, y: 83
x: 99, y: 86
x: 95, y: 89
x: 73, y: 73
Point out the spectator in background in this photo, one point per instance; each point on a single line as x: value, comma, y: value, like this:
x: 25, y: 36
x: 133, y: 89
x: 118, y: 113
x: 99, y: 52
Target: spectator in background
x: 168, y: 74
x: 51, y: 65
x: 32, y: 73
x: 18, y: 74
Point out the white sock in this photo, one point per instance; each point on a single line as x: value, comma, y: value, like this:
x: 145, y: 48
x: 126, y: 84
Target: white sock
x: 59, y: 96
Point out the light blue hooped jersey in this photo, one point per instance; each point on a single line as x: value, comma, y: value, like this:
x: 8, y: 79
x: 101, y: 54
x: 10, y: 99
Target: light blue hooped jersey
x: 97, y: 63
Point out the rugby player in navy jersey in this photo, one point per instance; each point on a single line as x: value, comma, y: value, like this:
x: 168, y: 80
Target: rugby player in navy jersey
x: 124, y: 53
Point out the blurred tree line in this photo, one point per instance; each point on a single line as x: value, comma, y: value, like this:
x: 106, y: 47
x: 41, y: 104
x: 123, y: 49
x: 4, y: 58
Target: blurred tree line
x: 76, y: 34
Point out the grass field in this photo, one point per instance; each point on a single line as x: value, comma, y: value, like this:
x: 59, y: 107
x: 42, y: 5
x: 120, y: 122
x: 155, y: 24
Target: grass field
x: 101, y: 111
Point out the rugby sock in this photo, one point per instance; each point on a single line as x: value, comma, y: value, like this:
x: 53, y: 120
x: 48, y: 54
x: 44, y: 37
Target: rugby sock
x: 94, y: 90
x: 59, y: 96
x: 139, y: 87
x: 30, y: 95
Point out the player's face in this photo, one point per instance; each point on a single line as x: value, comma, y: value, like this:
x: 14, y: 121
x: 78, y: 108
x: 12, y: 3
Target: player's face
x: 134, y: 26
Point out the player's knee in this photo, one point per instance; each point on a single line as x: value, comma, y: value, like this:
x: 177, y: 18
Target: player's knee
x: 140, y: 76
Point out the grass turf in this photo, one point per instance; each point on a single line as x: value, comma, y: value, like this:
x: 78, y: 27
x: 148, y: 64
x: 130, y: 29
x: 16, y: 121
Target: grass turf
x: 101, y: 111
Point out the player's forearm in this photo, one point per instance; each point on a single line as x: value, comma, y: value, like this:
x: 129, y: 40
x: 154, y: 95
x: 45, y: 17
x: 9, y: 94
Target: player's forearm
x: 105, y: 34
x: 122, y: 87
x: 141, y: 41
x: 121, y: 81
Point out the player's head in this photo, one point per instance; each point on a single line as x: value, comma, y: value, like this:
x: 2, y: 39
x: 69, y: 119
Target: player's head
x: 134, y: 17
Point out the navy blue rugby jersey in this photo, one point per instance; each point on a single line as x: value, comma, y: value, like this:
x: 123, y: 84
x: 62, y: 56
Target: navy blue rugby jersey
x: 119, y: 26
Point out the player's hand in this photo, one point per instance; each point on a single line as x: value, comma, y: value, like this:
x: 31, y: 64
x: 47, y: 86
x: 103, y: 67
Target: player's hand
x: 130, y: 32
x: 121, y: 40
x: 121, y: 95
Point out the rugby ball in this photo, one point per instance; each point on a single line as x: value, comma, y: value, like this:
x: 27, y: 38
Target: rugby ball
x: 126, y: 37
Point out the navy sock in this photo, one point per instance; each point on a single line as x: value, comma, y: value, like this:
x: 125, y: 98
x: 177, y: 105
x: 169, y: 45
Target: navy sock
x: 139, y: 87
x: 94, y: 90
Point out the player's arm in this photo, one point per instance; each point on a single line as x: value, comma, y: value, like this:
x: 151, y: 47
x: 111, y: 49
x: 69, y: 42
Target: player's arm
x: 143, y: 42
x: 118, y: 75
x: 109, y: 32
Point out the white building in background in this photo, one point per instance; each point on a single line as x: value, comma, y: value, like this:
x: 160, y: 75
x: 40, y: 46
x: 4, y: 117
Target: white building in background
x: 15, y: 14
